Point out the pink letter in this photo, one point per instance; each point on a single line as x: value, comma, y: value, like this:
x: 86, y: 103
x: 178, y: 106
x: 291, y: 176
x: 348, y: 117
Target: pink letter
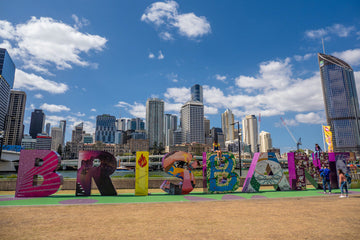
x: 25, y: 186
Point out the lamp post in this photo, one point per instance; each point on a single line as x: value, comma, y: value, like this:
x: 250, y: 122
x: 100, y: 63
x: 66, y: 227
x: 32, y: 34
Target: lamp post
x: 238, y: 143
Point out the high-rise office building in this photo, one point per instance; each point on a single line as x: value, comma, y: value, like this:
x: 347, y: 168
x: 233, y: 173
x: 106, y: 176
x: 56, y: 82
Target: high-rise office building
x: 341, y: 102
x: 105, y: 128
x: 63, y: 130
x: 121, y: 124
x: 207, y: 127
x: 250, y: 132
x: 78, y: 133
x: 7, y: 74
x: 227, y: 125
x: 170, y: 125
x: 136, y: 124
x: 197, y: 93
x: 43, y: 142
x: 56, y: 135
x: 155, y: 121
x: 47, y: 128
x: 192, y: 122
x: 88, y: 138
x: 37, y: 122
x: 265, y: 141
x: 15, y: 117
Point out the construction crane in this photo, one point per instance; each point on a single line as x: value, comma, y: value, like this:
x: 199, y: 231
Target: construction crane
x: 298, y: 143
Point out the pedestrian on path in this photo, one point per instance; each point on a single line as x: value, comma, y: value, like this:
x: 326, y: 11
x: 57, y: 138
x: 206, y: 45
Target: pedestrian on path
x: 343, y: 184
x: 325, y: 174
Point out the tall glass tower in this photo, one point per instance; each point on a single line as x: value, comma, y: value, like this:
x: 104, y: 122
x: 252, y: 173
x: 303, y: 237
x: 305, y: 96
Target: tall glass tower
x: 341, y: 102
x: 14, y: 121
x: 7, y: 74
x: 155, y: 121
x: 105, y: 128
x: 37, y: 123
x: 192, y: 122
x: 197, y: 93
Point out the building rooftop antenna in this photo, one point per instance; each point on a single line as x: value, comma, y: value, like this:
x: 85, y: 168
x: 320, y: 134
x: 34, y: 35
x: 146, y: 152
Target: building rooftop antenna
x: 322, y: 40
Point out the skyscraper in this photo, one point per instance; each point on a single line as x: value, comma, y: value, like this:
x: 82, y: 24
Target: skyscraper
x: 155, y: 121
x: 63, y: 130
x: 227, y: 119
x: 170, y: 125
x: 341, y: 102
x: 78, y: 133
x: 192, y: 122
x: 37, y: 123
x: 265, y: 141
x: 250, y: 132
x: 105, y: 128
x: 197, y: 93
x: 56, y: 136
x: 7, y: 74
x: 47, y: 128
x: 15, y: 118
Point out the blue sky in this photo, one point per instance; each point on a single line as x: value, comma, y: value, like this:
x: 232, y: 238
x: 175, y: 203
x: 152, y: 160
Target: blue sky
x: 79, y: 59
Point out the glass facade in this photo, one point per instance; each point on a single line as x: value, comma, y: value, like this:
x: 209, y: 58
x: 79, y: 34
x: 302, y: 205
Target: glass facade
x: 197, y: 93
x: 341, y: 102
x: 105, y: 128
x: 7, y: 67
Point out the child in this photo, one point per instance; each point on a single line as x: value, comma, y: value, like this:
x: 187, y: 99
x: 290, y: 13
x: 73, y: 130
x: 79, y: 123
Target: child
x: 216, y: 148
x: 342, y: 183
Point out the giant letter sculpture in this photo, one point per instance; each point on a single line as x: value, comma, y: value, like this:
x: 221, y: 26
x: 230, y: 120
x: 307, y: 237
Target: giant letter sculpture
x: 177, y: 164
x: 221, y: 175
x: 142, y: 173
x: 300, y: 169
x: 28, y: 172
x: 101, y: 174
x: 265, y: 169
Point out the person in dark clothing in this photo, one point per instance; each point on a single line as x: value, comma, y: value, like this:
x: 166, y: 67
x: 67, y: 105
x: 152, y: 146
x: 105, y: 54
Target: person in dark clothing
x: 325, y: 174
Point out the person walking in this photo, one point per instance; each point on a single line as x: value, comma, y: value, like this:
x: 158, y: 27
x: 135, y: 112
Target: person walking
x: 343, y: 184
x: 325, y: 174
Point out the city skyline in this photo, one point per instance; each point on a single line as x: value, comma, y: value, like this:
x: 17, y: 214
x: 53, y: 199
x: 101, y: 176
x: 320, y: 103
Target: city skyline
x: 112, y: 58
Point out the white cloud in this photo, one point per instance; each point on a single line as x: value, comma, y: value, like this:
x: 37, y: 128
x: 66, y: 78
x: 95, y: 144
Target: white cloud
x: 336, y: 29
x: 177, y: 95
x: 303, y: 58
x: 42, y: 42
x: 351, y: 56
x: 54, y: 108
x: 32, y: 106
x: 79, y: 114
x: 210, y: 110
x: 38, y: 96
x: 151, y: 55
x: 79, y: 23
x: 166, y: 14
x: 31, y: 82
x: 273, y: 74
x: 161, y: 55
x: 192, y: 26
x: 93, y: 110
x: 311, y: 118
x: 92, y: 117
x: 135, y: 109
x: 166, y: 36
x: 220, y: 78
x: 138, y: 110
